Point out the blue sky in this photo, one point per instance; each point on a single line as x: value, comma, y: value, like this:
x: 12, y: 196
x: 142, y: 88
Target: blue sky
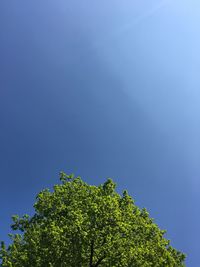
x: 103, y: 89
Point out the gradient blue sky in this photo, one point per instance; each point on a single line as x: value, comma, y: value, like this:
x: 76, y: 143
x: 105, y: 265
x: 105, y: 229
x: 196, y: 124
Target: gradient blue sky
x: 103, y: 89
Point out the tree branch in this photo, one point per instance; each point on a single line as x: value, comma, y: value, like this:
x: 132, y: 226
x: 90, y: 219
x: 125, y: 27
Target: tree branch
x: 99, y: 261
x: 91, y: 253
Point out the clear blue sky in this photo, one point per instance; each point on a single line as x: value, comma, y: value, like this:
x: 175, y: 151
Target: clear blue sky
x: 103, y: 89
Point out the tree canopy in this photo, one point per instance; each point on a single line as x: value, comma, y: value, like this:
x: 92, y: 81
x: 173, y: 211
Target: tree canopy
x: 81, y: 225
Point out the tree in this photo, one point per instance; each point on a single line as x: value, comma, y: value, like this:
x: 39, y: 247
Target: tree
x: 81, y: 225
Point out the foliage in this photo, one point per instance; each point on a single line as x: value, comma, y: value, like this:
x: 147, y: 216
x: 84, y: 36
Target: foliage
x: 80, y: 225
